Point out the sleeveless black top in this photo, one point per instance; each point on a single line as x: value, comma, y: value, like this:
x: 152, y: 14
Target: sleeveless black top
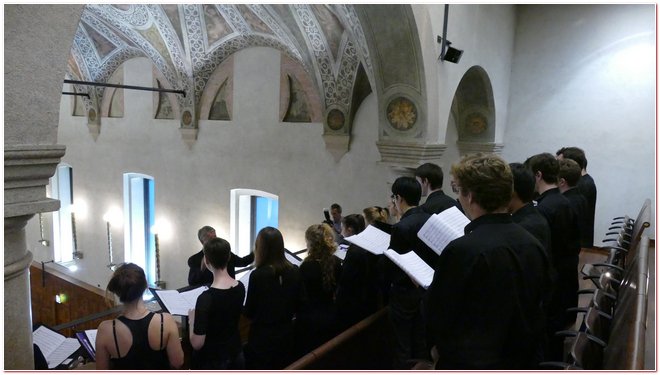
x: 140, y: 356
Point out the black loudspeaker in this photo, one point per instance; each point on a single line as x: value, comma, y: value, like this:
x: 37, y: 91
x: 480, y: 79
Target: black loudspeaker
x: 453, y: 55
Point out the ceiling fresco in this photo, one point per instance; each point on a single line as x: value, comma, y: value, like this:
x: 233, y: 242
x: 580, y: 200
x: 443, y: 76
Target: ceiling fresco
x: 186, y: 43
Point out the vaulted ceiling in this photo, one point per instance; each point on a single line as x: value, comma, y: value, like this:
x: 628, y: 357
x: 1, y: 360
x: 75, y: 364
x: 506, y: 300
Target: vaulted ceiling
x: 346, y: 52
x: 186, y: 43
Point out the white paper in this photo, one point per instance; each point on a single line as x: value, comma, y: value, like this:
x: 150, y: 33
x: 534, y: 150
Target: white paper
x: 245, y: 280
x: 62, y: 352
x: 292, y: 259
x: 179, y: 303
x: 440, y: 229
x: 91, y: 335
x: 54, y: 346
x: 341, y: 252
x: 371, y: 239
x: 413, y: 266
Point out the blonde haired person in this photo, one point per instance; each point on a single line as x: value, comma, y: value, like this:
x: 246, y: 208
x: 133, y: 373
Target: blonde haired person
x: 138, y: 339
x: 378, y: 217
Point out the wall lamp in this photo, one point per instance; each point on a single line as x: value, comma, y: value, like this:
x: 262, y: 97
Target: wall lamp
x: 44, y: 242
x: 112, y: 216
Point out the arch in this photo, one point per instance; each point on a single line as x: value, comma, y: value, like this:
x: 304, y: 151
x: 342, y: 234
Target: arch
x: 473, y: 108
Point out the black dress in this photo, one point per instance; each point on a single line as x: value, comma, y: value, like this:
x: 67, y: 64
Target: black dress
x: 217, y: 313
x: 272, y: 301
x: 315, y: 322
x: 357, y: 289
x: 140, y: 356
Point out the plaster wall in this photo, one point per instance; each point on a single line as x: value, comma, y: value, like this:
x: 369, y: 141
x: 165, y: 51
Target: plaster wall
x: 585, y: 75
x: 192, y: 186
x: 486, y: 34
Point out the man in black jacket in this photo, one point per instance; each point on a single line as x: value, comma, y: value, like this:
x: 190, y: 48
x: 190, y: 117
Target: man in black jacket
x: 484, y: 306
x: 430, y: 177
x: 198, y: 274
x: 405, y: 297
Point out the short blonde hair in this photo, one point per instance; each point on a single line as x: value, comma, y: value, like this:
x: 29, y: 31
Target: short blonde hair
x: 488, y: 177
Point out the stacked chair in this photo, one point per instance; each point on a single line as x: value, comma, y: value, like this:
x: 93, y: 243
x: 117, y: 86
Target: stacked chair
x: 611, y: 335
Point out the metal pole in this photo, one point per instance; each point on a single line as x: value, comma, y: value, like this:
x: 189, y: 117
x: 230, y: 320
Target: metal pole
x: 124, y: 86
x: 75, y: 93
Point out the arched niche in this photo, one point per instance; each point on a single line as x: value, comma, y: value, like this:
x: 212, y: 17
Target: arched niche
x: 473, y: 112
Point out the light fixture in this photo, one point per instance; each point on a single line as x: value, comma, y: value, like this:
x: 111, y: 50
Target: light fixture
x: 44, y: 242
x: 163, y: 228
x: 112, y: 216
x: 76, y: 254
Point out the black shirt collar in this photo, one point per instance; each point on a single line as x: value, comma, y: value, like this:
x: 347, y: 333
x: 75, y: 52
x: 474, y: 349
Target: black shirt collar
x: 488, y: 219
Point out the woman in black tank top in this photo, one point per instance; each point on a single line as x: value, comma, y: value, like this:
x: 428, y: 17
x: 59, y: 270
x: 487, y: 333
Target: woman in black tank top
x: 138, y: 339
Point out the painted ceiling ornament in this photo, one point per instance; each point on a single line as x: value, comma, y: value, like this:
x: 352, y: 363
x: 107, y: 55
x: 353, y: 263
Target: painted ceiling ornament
x: 335, y: 119
x: 401, y: 113
x: 187, y: 118
x: 476, y: 123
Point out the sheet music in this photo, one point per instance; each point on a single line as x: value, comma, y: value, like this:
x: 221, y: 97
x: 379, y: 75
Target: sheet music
x: 179, y: 303
x: 292, y: 259
x: 245, y: 279
x: 341, y: 252
x: 91, y: 335
x: 413, y: 266
x: 54, y: 346
x: 440, y: 229
x: 62, y: 352
x: 371, y: 239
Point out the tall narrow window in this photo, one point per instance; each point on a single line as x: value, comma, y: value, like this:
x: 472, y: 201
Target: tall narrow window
x: 251, y: 210
x: 62, y: 188
x: 139, y: 244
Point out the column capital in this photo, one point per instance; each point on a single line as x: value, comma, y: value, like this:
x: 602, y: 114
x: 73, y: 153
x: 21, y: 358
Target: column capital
x: 27, y: 170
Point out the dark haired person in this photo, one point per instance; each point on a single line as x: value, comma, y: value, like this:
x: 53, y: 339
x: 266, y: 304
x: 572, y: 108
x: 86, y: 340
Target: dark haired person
x: 319, y: 273
x: 430, y: 178
x: 484, y: 304
x: 273, y: 298
x: 357, y: 288
x: 569, y: 175
x: 563, y: 237
x: 138, y: 339
x: 213, y: 323
x: 522, y: 208
x: 587, y: 187
x: 404, y: 296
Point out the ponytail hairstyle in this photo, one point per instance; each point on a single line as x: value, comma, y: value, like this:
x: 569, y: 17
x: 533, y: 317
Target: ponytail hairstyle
x: 376, y: 213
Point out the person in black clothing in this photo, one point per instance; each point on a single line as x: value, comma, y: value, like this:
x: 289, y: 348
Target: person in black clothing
x: 319, y: 272
x: 273, y: 299
x: 484, y: 304
x: 569, y: 175
x: 404, y: 296
x: 213, y: 323
x: 522, y: 208
x: 564, y: 238
x: 587, y: 187
x: 357, y: 289
x: 198, y: 274
x: 136, y: 340
x: 430, y: 177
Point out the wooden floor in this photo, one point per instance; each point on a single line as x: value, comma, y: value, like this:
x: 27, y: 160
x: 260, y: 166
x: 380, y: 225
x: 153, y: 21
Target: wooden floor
x: 650, y: 346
